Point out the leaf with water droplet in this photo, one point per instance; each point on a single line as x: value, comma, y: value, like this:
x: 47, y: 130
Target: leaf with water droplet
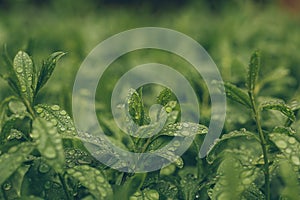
x: 59, y: 118
x: 77, y: 157
x: 233, y: 179
x: 289, y: 146
x: 279, y: 106
x: 12, y: 160
x: 15, y: 182
x: 253, y: 70
x: 135, y: 107
x: 145, y: 194
x: 167, y: 187
x: 47, y: 69
x: 165, y: 96
x: 23, y: 67
x: 49, y: 143
x: 17, y: 107
x: 92, y: 179
x: 290, y: 181
x: 189, y: 186
x: 238, y: 95
x: 285, y: 130
x: 184, y: 129
x: 243, y: 144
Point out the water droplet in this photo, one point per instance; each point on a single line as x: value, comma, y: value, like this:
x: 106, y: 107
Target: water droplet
x: 55, y: 107
x: 186, y: 125
x: 13, y: 149
x: 288, y: 150
x: 92, y: 186
x: 23, y: 88
x: 56, y: 185
x: 179, y: 127
x: 63, y: 112
x: 35, y: 134
x: 100, y: 179
x: 63, y: 129
x: 19, y: 70
x: 185, y: 133
x: 246, y: 181
x: 47, y: 185
x: 7, y: 186
x: 281, y: 144
x: 54, y: 122
x: 295, y: 160
x: 292, y: 140
x: 44, y: 168
x: 50, y: 152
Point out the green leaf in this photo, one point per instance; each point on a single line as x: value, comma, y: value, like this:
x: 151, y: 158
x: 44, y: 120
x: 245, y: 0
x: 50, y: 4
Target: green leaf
x: 17, y: 107
x: 23, y: 67
x: 253, y: 70
x: 92, y: 179
x: 47, y: 69
x: 165, y: 96
x: 236, y: 143
x: 145, y: 195
x: 135, y: 107
x: 253, y: 192
x: 49, y: 142
x: 59, y: 118
x: 167, y: 187
x: 279, y: 106
x: 77, y: 157
x: 13, y: 159
x: 189, y: 186
x: 14, y: 182
x: 233, y: 179
x: 289, y: 146
x: 170, y: 152
x: 290, y: 181
x: 237, y: 94
x: 130, y: 187
x: 184, y: 129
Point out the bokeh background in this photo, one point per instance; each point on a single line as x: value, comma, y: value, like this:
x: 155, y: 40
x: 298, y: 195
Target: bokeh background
x: 228, y: 30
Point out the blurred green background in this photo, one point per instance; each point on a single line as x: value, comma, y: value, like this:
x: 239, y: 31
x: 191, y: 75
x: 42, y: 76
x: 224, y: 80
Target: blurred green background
x: 228, y: 30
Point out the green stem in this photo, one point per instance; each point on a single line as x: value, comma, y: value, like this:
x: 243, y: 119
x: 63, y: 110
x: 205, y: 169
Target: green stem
x: 29, y: 108
x: 65, y: 187
x: 263, y: 146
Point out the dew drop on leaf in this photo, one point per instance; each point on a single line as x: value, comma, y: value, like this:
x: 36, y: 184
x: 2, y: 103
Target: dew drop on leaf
x: 55, y: 107
x: 281, y: 144
x: 50, y: 152
x: 47, y: 185
x: 292, y: 140
x: 23, y: 88
x: 19, y: 70
x: 44, y: 168
x: 7, y: 186
x: 295, y: 160
x: 63, y: 112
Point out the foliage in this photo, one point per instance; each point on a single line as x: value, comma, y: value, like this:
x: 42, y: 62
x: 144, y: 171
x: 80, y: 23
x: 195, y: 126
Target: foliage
x: 43, y: 156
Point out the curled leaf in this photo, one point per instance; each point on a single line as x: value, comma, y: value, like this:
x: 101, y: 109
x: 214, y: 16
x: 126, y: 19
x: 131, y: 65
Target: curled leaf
x: 279, y: 106
x: 47, y: 69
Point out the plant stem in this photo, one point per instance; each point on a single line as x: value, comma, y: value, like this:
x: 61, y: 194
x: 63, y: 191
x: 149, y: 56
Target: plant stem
x: 263, y: 146
x: 65, y: 187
